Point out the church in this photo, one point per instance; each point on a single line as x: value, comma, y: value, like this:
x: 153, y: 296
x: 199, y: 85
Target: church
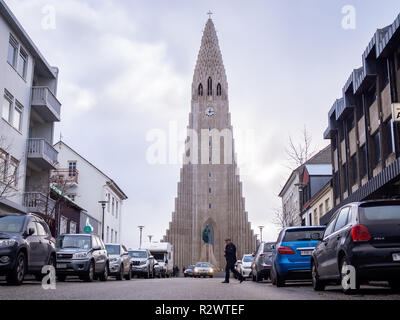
x: 209, y: 206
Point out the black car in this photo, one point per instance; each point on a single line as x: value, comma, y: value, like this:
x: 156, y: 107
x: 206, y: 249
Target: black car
x: 26, y: 246
x: 81, y: 255
x: 363, y: 238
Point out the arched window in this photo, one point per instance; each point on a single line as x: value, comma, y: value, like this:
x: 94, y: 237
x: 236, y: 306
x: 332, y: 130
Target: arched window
x: 209, y: 87
x: 219, y: 90
x: 200, y: 90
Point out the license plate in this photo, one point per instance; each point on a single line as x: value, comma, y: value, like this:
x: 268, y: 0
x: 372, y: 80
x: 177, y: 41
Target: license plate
x: 306, y: 253
x: 396, y: 256
x: 61, y: 266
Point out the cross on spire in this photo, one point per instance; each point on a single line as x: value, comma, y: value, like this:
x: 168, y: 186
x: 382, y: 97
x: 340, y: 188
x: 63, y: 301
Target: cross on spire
x: 210, y: 14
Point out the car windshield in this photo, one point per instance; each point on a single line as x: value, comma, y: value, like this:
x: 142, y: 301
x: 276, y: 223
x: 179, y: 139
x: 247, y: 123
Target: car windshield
x: 113, y: 249
x: 74, y: 242
x: 138, y: 254
x: 247, y: 259
x: 11, y: 224
x: 159, y: 256
x: 380, y: 214
x: 303, y: 235
x: 203, y: 265
x: 191, y: 267
x: 268, y: 247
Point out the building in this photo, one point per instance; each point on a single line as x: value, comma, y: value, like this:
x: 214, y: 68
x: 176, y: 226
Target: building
x: 363, y: 136
x: 315, y: 188
x: 292, y: 191
x: 29, y: 109
x: 86, y: 185
x: 209, y: 200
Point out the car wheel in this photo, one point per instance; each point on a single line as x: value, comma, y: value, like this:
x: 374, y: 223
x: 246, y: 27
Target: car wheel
x: 395, y: 285
x: 278, y: 279
x: 347, y: 289
x: 253, y: 277
x: 104, y: 275
x: 89, y: 277
x: 120, y: 275
x: 258, y: 277
x: 129, y: 275
x: 318, y: 284
x: 17, y: 275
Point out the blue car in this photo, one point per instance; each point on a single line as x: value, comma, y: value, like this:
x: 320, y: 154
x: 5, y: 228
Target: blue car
x: 291, y: 257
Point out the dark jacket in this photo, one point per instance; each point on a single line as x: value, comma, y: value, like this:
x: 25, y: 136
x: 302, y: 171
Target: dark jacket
x: 230, y: 253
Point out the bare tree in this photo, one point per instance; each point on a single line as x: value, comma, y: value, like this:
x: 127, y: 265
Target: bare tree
x: 9, y: 170
x: 299, y: 153
x: 285, y: 218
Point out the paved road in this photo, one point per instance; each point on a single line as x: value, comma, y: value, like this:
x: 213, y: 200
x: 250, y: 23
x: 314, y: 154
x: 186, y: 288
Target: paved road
x: 182, y: 289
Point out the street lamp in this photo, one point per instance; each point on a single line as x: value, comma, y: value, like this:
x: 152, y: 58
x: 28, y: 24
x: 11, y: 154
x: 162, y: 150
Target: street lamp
x: 103, y: 205
x: 261, y: 229
x: 150, y: 237
x: 141, y: 231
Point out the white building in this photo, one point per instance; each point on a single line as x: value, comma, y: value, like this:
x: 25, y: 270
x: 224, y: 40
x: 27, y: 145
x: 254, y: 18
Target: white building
x: 89, y: 185
x: 28, y: 110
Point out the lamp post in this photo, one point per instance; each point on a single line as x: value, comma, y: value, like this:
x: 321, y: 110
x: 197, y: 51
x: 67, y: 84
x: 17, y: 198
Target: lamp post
x: 141, y: 231
x: 150, y: 237
x: 103, y: 205
x: 261, y: 230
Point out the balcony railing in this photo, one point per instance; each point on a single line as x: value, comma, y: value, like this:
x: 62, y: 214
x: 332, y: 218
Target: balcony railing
x: 46, y: 104
x: 42, y: 152
x: 37, y: 202
x: 69, y: 176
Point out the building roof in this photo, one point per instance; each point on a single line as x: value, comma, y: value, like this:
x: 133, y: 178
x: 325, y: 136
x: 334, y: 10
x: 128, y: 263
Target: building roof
x: 16, y: 27
x: 111, y: 183
x: 319, y: 169
x: 65, y: 197
x: 322, y: 157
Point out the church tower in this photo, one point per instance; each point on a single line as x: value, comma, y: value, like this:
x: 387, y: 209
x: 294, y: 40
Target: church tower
x: 209, y: 192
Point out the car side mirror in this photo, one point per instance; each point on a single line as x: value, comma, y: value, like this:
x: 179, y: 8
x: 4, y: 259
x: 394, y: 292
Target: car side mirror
x: 30, y: 232
x: 97, y: 248
x: 151, y: 257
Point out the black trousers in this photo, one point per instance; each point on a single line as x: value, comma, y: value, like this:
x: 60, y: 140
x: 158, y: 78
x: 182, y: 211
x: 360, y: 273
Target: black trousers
x: 230, y: 267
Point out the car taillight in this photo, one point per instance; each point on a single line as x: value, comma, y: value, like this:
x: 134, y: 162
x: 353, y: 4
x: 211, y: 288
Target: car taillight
x: 285, y: 250
x: 360, y: 233
x: 261, y: 255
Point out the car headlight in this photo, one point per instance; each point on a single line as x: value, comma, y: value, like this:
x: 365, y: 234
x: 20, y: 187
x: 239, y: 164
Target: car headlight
x: 7, y: 243
x: 211, y: 270
x: 196, y: 270
x: 112, y: 260
x: 80, y: 255
x: 142, y: 263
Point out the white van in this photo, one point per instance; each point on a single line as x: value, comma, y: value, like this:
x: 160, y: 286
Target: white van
x: 164, y: 254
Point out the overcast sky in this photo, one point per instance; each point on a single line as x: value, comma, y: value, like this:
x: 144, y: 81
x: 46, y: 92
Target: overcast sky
x: 126, y: 68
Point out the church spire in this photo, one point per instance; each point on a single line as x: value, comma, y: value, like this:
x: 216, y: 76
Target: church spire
x: 209, y: 61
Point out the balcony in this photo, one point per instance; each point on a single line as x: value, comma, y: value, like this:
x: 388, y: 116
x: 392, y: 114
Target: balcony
x: 42, y: 153
x: 46, y: 104
x: 67, y: 176
x: 37, y: 202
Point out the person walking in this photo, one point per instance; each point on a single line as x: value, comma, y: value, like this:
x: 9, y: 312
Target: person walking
x: 230, y: 256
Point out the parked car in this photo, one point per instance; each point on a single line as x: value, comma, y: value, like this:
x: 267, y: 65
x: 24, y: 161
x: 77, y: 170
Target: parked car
x: 291, y: 256
x: 203, y: 269
x: 26, y: 246
x: 189, y: 272
x: 365, y: 236
x: 237, y: 267
x: 157, y: 270
x: 244, y: 265
x: 142, y: 263
x: 261, y: 266
x: 81, y: 255
x: 120, y: 261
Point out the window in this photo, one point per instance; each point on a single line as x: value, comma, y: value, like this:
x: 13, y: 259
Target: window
x: 321, y: 210
x: 17, y: 117
x: 12, y: 51
x: 113, y: 206
x: 350, y: 122
x: 354, y: 170
x: 72, y: 168
x: 310, y: 219
x: 209, y: 174
x: 32, y: 225
x: 116, y: 236
x: 209, y: 190
x: 64, y: 225
x: 363, y: 161
x: 112, y: 235
x: 14, y: 164
x: 387, y: 138
x: 108, y: 202
x: 3, y: 164
x: 200, y: 90
x: 40, y: 229
x: 219, y: 90
x: 371, y: 96
x: 22, y: 63
x: 327, y: 205
x: 344, y: 178
x: 116, y: 209
x: 209, y: 206
x: 316, y: 216
x: 377, y: 148
x: 209, y: 87
x: 342, y: 219
x: 329, y: 228
x: 7, y: 107
x: 108, y: 234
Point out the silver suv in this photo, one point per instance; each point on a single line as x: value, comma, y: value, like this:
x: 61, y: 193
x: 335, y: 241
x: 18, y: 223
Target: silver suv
x: 120, y: 261
x: 143, y: 263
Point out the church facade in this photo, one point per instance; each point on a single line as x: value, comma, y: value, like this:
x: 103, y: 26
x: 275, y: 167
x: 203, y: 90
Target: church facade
x: 209, y: 207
